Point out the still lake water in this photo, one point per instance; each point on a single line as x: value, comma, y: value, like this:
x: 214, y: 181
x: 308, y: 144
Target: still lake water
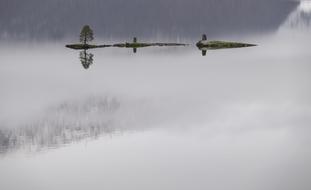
x: 164, y: 118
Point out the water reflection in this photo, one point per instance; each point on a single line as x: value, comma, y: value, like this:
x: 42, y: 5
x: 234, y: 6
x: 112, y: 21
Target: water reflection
x: 86, y: 59
x: 63, y: 124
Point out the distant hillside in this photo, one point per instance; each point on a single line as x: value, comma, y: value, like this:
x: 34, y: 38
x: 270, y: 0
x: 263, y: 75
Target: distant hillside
x: 300, y: 18
x: 57, y: 19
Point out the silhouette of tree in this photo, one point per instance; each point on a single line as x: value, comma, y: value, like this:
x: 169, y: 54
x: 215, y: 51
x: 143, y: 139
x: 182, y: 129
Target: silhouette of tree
x: 86, y: 34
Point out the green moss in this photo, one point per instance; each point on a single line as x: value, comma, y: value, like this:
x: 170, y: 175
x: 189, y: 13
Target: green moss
x: 222, y: 45
x: 85, y: 46
x: 141, y: 45
x: 132, y: 45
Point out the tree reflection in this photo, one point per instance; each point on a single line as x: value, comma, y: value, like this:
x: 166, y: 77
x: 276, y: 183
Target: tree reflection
x: 86, y: 59
x: 204, y: 51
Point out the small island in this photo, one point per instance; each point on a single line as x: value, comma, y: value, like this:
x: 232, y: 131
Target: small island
x: 87, y: 35
x: 85, y: 46
x: 136, y: 45
x: 205, y: 45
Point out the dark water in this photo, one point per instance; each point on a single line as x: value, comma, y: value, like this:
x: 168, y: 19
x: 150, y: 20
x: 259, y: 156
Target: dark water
x: 163, y: 118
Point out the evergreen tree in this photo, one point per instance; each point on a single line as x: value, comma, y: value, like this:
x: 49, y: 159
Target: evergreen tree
x: 86, y: 34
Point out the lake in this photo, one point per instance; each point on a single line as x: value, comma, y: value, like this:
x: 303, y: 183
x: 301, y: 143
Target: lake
x: 162, y: 118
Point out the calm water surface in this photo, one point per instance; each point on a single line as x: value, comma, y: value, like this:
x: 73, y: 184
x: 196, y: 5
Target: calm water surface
x: 163, y: 118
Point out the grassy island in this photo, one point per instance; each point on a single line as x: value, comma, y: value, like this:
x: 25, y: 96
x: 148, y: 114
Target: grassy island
x: 222, y: 45
x: 85, y: 46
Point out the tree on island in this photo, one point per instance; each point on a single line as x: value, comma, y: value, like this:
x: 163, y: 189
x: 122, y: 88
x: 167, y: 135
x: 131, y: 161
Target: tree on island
x: 86, y: 34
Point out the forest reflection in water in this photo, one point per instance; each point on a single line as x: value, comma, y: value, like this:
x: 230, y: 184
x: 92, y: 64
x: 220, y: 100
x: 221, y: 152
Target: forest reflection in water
x: 63, y: 124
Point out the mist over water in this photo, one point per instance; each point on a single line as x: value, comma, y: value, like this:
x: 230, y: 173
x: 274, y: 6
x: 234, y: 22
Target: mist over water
x: 165, y: 117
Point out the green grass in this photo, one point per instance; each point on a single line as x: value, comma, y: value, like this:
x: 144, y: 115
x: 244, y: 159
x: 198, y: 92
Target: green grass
x: 141, y: 45
x: 222, y: 45
x: 121, y: 45
x: 132, y: 45
x: 85, y: 46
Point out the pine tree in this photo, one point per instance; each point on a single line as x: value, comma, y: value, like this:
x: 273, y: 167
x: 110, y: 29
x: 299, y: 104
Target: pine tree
x: 86, y: 34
